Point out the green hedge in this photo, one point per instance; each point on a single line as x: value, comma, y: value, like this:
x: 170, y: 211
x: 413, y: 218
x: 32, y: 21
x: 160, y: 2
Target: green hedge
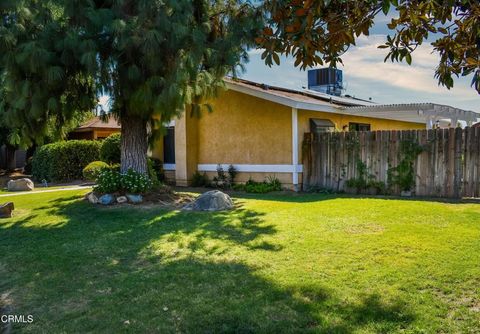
x: 110, y: 150
x: 64, y: 161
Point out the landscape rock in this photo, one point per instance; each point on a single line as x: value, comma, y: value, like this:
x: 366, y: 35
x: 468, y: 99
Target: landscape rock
x: 92, y: 198
x: 122, y: 199
x: 106, y: 199
x: 24, y: 184
x: 135, y: 199
x: 214, y: 200
x: 6, y: 210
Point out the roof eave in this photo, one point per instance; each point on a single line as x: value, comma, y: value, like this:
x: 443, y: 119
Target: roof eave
x: 289, y: 102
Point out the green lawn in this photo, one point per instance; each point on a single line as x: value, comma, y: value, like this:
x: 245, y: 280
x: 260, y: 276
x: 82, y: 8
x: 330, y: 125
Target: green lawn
x: 277, y: 264
x: 4, y: 191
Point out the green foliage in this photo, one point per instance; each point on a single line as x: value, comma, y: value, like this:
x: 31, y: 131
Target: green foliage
x: 156, y: 169
x: 65, y: 160
x: 110, y: 181
x: 225, y: 180
x: 200, y: 180
x: 403, y: 175
x: 319, y: 32
x: 270, y: 184
x: 28, y: 166
x: 232, y: 174
x: 110, y: 150
x: 151, y: 57
x: 365, y: 181
x: 91, y: 171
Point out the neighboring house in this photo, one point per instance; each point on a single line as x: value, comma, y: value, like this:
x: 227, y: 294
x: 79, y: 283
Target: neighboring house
x: 95, y: 128
x: 259, y: 129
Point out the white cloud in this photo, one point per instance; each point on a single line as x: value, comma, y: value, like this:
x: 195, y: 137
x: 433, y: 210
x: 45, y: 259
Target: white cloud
x: 367, y: 75
x: 366, y: 62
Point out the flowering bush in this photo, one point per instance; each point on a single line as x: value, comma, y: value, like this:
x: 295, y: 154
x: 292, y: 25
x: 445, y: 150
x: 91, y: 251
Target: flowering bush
x: 136, y: 183
x: 111, y: 181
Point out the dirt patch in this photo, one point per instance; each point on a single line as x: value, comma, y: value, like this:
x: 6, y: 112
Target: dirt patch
x: 170, y: 199
x: 365, y: 229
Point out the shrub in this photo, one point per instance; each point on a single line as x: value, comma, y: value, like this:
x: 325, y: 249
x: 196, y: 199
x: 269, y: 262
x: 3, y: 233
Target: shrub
x: 93, y: 169
x: 271, y: 184
x: 111, y: 181
x: 404, y: 174
x: 200, y: 180
x: 135, y: 183
x: 155, y: 170
x: 110, y: 150
x: 28, y: 166
x: 65, y: 160
x: 222, y: 180
x: 108, y: 181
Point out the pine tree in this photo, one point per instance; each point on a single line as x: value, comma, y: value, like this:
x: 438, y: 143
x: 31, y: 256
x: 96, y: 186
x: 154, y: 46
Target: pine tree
x: 151, y: 57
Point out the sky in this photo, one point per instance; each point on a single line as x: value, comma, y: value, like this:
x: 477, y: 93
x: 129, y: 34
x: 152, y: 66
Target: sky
x: 367, y: 76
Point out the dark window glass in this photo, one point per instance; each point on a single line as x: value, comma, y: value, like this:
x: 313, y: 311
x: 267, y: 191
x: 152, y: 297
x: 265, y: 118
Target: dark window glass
x: 359, y: 127
x: 169, y: 146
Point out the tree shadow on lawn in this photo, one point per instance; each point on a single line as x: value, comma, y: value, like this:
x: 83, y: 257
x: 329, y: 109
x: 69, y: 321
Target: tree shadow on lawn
x: 96, y: 270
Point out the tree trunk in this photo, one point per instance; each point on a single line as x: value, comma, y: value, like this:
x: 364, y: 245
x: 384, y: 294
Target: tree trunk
x: 10, y: 162
x: 134, y: 144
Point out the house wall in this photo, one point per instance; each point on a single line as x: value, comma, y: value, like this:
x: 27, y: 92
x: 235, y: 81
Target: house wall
x: 246, y: 130
x: 340, y: 121
x: 104, y: 133
x: 243, y: 129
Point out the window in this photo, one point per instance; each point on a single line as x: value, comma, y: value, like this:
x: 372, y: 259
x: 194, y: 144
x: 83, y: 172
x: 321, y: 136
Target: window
x: 169, y: 146
x: 321, y: 125
x: 358, y: 127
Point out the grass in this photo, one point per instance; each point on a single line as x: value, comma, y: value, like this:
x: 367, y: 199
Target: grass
x: 309, y: 263
x: 4, y: 191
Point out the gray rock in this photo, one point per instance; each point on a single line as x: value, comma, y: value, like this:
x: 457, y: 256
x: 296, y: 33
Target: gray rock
x: 214, y: 200
x: 20, y: 185
x: 122, y: 199
x: 135, y: 199
x: 92, y: 198
x: 6, y: 210
x: 106, y: 199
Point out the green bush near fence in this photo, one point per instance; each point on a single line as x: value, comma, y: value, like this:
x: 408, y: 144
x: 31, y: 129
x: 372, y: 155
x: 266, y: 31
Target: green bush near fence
x: 64, y: 161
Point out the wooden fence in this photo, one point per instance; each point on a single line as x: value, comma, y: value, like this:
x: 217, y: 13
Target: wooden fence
x: 448, y: 166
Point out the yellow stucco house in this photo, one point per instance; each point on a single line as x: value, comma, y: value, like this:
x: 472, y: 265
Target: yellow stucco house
x: 259, y: 129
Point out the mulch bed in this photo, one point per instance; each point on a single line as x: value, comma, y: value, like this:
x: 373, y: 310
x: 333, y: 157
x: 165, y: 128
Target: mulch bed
x: 167, y: 198
x: 162, y: 197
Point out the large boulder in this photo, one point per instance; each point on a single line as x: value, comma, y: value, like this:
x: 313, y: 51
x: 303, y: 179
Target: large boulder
x: 20, y: 185
x: 6, y: 210
x: 92, y: 198
x: 106, y: 199
x: 214, y: 200
x: 135, y: 198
